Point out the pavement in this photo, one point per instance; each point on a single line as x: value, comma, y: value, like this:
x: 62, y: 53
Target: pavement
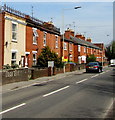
x: 19, y: 85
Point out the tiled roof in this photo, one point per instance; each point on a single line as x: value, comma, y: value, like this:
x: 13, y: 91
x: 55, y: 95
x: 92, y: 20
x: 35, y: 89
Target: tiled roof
x: 84, y: 43
x: 81, y: 42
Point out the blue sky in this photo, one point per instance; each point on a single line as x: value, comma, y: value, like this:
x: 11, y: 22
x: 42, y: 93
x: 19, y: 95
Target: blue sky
x: 94, y: 19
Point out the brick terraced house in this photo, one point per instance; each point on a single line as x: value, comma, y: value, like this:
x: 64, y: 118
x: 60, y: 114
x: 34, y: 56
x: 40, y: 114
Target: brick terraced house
x: 38, y: 35
x: 22, y: 38
x: 81, y: 48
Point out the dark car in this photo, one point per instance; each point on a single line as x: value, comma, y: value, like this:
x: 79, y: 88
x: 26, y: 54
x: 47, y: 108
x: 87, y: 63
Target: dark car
x: 94, y: 67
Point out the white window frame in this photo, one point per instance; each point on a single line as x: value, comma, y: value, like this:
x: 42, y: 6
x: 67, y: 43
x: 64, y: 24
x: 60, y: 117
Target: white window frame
x: 15, y: 40
x: 13, y: 59
x: 44, y: 38
x: 35, y: 35
x: 56, y: 42
x: 79, y: 48
x: 70, y: 48
x: 71, y: 57
x: 34, y: 59
x: 91, y: 51
x: 65, y: 46
x: 84, y: 49
x: 79, y: 59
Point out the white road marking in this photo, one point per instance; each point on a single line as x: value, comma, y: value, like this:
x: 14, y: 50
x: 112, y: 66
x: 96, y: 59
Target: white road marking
x: 81, y: 81
x: 109, y: 107
x: 55, y: 91
x: 12, y: 108
x: 94, y: 76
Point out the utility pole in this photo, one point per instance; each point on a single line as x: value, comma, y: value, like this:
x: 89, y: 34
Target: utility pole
x: 102, y: 45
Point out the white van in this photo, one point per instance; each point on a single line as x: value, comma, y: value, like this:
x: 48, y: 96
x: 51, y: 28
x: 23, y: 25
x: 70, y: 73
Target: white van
x: 112, y: 62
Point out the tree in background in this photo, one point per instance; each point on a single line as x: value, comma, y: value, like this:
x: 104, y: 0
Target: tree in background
x: 48, y: 55
x: 91, y: 58
x: 110, y: 51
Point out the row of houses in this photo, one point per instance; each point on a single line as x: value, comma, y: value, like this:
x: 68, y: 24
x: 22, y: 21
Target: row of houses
x: 22, y: 38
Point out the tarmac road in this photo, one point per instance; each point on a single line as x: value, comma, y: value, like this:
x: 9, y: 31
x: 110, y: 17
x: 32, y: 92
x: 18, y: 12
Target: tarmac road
x: 83, y: 95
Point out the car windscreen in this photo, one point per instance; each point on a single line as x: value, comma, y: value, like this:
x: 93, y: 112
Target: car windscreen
x: 93, y: 63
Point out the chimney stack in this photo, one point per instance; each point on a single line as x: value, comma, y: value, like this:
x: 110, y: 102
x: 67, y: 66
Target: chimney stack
x: 69, y: 33
x: 79, y: 36
x: 89, y: 40
x: 83, y: 37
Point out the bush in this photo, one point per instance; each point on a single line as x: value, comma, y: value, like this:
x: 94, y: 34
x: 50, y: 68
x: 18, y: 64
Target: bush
x: 6, y: 66
x: 48, y: 55
x: 91, y: 58
x: 15, y: 66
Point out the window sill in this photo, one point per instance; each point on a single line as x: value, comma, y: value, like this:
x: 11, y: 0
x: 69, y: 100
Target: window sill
x: 34, y: 43
x: 14, y: 41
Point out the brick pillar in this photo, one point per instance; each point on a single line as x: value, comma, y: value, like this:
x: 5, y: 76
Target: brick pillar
x: 54, y: 70
x: 49, y: 71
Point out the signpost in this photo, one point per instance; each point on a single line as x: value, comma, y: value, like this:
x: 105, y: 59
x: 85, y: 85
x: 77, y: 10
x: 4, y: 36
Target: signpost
x: 51, y: 64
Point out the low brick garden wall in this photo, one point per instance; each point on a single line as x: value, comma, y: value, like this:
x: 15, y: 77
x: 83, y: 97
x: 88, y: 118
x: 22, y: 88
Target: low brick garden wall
x: 57, y: 71
x: 36, y: 73
x: 17, y: 75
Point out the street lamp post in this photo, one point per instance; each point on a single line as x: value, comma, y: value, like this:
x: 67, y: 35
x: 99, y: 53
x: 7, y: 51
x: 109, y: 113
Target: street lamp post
x: 74, y: 28
x: 63, y: 28
x: 102, y: 53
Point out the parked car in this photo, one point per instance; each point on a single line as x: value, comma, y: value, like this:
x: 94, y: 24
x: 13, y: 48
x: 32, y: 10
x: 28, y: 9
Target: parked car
x: 94, y: 67
x: 72, y: 63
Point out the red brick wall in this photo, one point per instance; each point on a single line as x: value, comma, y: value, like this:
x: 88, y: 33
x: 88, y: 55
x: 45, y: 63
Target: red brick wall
x: 68, y: 33
x: 70, y: 46
x: 1, y: 40
x: 36, y: 73
x: 102, y: 52
x: 76, y: 53
x: 71, y: 51
x: 50, y: 41
x: 29, y: 45
x: 88, y: 51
